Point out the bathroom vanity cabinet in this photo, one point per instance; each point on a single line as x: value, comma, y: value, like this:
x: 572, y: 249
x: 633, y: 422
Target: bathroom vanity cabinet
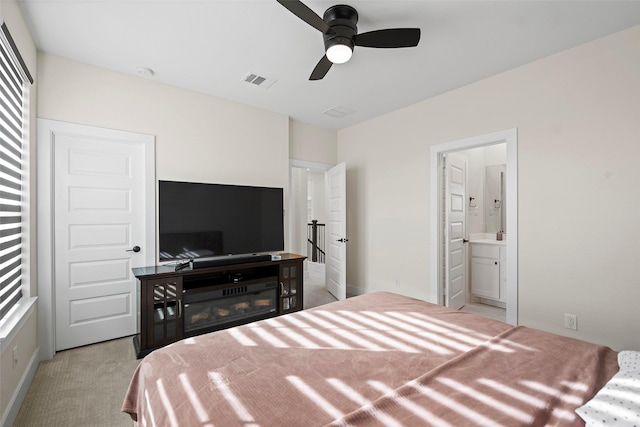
x: 488, y: 271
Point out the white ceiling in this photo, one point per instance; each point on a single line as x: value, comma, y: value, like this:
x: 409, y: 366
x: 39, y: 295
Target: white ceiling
x: 209, y: 46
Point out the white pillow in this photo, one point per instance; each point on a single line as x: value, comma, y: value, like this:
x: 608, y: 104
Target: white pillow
x: 618, y: 402
x: 629, y: 360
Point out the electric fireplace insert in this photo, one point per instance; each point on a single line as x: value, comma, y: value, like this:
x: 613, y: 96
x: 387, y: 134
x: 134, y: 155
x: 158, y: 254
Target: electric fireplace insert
x: 207, y: 309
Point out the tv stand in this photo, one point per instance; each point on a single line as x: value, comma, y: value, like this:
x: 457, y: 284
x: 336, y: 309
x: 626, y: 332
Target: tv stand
x: 176, y: 304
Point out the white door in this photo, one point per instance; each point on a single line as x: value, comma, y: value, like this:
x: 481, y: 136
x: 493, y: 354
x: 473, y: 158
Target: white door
x: 454, y: 231
x: 104, y: 222
x: 336, y: 256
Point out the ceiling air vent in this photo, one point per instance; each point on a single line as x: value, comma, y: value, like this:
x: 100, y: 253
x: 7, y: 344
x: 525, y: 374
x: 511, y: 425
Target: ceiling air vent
x: 339, y: 111
x: 254, y: 79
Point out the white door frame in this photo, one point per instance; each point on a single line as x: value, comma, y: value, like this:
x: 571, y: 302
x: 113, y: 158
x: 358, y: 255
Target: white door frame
x: 305, y: 165
x: 46, y: 231
x: 510, y: 138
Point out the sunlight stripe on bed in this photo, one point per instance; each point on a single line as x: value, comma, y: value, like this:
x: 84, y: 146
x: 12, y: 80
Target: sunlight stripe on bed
x: 241, y: 338
x: 400, y: 346
x: 359, y: 341
x: 233, y: 401
x: 574, y: 400
x: 364, y: 404
x: 301, y: 340
x: 476, y: 394
x: 412, y: 407
x: 524, y: 397
x: 315, y: 397
x: 460, y: 408
x: 268, y: 336
x: 166, y: 402
x: 195, y: 402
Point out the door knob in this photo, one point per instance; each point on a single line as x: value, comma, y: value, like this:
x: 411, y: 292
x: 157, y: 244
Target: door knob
x: 343, y: 240
x: 134, y: 249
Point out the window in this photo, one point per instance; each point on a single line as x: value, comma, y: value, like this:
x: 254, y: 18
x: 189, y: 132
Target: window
x: 14, y: 177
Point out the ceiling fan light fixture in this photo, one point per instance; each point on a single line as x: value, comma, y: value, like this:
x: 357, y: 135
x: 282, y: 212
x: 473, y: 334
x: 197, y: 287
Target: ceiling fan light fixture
x: 339, y: 53
x: 339, y: 28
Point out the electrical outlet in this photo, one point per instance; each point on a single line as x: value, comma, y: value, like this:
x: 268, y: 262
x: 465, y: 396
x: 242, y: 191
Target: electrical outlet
x: 571, y: 321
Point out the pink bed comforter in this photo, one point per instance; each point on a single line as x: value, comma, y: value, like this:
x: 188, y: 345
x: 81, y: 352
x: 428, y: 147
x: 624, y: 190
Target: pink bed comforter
x: 376, y: 359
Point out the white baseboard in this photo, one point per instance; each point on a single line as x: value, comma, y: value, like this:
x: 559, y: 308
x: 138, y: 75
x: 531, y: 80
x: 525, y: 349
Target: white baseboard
x: 10, y: 415
x: 354, y: 290
x: 494, y: 303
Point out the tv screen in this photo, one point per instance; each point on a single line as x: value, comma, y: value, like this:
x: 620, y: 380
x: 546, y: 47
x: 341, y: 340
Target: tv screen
x: 207, y: 220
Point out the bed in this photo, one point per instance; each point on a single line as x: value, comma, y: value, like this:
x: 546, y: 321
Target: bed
x: 379, y: 359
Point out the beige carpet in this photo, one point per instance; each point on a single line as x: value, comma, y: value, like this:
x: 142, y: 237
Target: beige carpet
x: 85, y: 386
x: 485, y: 310
x: 81, y: 387
x: 315, y: 293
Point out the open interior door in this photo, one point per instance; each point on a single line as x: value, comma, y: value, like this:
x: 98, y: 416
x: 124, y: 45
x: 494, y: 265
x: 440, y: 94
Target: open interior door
x: 454, y: 231
x: 336, y: 258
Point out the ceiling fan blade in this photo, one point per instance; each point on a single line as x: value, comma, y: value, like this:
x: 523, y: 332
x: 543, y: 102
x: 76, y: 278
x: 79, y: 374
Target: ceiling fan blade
x: 321, y: 69
x: 303, y: 12
x: 389, y: 38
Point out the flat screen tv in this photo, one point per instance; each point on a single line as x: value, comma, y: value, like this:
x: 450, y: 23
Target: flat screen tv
x: 199, y: 220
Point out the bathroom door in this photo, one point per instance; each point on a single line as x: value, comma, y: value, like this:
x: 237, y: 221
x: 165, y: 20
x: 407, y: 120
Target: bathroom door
x: 454, y: 230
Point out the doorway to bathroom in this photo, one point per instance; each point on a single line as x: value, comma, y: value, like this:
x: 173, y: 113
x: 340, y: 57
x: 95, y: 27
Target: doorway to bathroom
x: 473, y: 205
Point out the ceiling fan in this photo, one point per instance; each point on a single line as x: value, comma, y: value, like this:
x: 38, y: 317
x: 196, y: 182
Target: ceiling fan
x: 338, y: 26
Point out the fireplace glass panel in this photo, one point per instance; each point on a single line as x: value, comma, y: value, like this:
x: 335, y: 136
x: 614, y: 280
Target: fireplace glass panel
x: 208, y: 313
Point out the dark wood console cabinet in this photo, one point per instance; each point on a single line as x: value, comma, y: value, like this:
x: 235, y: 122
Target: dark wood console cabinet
x: 162, y: 292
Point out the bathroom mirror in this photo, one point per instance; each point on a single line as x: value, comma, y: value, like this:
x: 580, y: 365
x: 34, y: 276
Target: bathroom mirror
x: 495, y: 199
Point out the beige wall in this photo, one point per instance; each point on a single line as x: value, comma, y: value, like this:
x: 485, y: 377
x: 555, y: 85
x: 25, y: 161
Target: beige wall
x: 25, y: 338
x: 198, y: 137
x: 312, y: 144
x: 578, y: 150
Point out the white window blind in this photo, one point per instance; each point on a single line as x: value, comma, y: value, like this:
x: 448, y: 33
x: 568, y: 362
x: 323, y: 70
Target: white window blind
x: 14, y: 89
